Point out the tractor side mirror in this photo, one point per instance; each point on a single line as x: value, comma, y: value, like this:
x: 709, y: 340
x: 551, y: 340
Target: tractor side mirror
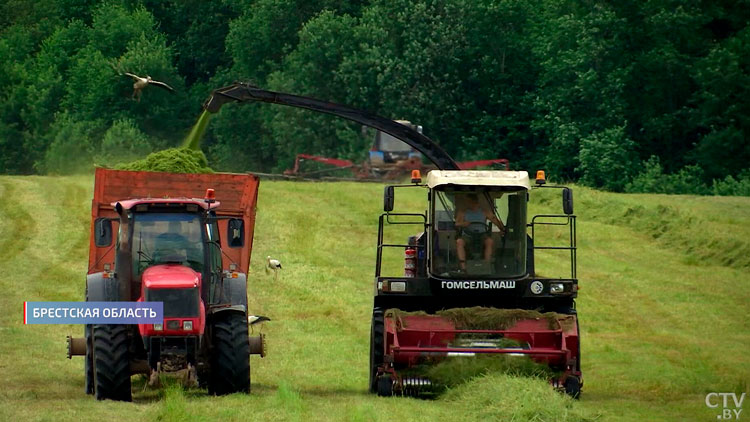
x: 388, y: 198
x: 102, y: 232
x: 567, y: 195
x: 236, y: 233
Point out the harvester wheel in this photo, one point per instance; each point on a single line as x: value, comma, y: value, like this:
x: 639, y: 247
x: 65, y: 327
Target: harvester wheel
x: 111, y: 367
x: 89, y: 362
x: 573, y: 387
x: 385, y: 386
x: 376, y: 347
x: 230, y: 358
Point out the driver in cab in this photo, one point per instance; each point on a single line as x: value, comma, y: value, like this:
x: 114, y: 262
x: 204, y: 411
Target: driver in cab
x: 472, y: 228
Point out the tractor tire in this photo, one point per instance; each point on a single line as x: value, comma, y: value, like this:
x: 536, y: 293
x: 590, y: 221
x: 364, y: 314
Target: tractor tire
x: 111, y: 369
x: 230, y: 356
x: 376, y: 347
x: 572, y: 387
x: 89, y: 362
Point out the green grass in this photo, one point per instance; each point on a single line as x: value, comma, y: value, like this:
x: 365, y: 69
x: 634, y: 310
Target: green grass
x: 663, y: 309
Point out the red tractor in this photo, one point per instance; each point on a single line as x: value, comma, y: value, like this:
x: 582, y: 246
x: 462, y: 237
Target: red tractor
x: 176, y: 244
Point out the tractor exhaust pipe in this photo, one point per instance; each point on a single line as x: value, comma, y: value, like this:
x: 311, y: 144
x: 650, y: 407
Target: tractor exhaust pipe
x: 76, y: 346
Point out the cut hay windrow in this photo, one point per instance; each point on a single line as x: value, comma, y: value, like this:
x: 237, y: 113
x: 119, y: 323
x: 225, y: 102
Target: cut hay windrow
x: 481, y: 318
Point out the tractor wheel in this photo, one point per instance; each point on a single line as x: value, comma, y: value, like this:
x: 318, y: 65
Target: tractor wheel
x: 111, y: 367
x: 573, y: 387
x: 230, y: 357
x: 376, y: 347
x: 385, y: 386
x: 89, y: 362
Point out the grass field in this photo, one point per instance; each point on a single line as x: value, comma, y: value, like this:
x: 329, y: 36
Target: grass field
x: 664, y: 302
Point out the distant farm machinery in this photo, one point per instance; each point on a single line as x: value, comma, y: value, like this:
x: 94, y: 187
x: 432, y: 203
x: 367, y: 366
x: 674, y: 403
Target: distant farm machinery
x: 389, y: 158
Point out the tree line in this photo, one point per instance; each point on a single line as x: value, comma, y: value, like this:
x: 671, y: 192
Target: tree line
x: 627, y: 96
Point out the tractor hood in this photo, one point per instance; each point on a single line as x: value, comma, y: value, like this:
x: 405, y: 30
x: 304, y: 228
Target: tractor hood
x: 170, y: 276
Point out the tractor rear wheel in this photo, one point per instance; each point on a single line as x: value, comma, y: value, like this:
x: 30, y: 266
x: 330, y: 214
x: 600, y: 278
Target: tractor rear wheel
x: 376, y: 347
x: 89, y: 362
x: 111, y: 368
x: 230, y: 357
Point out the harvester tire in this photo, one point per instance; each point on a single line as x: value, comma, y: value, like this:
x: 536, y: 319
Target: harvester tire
x: 230, y: 357
x: 89, y: 362
x: 573, y: 387
x: 376, y: 347
x: 111, y: 369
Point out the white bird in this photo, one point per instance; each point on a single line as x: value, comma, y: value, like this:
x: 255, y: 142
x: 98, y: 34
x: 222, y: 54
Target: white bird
x: 141, y: 83
x: 253, y: 319
x: 273, y: 264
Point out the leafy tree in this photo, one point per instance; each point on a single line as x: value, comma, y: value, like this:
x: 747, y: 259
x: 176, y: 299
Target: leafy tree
x: 723, y: 107
x: 123, y: 142
x: 606, y: 159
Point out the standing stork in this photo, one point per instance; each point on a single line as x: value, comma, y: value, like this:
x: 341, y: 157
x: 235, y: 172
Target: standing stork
x: 141, y: 83
x: 273, y: 265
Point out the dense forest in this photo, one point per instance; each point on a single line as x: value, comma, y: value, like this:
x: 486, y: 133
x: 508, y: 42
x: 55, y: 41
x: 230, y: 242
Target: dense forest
x: 623, y: 95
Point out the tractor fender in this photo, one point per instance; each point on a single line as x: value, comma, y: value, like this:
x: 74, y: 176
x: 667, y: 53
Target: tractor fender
x: 240, y: 309
x: 235, y: 290
x: 101, y: 289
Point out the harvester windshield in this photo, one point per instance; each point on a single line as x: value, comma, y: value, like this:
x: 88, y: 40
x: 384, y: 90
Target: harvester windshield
x: 388, y: 143
x: 479, y: 232
x: 161, y: 238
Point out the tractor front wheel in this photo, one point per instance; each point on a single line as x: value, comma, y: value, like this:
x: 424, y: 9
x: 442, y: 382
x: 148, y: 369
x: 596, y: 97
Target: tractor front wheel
x: 111, y: 363
x: 230, y: 355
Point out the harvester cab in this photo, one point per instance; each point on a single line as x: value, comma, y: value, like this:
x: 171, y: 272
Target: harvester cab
x: 154, y: 238
x: 469, y: 284
x: 387, y: 149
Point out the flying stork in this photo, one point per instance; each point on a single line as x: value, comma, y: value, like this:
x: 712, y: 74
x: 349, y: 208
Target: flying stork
x: 141, y: 83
